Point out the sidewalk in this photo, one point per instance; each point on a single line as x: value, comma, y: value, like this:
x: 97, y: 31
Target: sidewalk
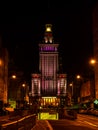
x: 42, y: 125
x: 2, y: 118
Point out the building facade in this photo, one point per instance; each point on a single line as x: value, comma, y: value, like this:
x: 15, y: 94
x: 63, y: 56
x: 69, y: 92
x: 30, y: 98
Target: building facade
x: 49, y: 86
x: 18, y: 89
x: 3, y: 74
x: 95, y: 43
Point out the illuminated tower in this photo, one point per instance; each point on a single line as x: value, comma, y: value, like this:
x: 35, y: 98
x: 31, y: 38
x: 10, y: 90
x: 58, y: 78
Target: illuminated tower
x: 48, y: 87
x: 48, y: 66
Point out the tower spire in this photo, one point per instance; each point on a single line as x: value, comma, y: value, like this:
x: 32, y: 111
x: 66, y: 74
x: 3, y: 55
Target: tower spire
x: 48, y: 33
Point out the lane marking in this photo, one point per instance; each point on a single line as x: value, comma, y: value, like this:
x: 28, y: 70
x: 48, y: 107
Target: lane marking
x: 50, y: 127
x: 91, y: 123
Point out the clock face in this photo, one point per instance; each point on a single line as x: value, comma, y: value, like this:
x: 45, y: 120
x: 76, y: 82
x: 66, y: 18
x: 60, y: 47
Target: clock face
x: 48, y: 29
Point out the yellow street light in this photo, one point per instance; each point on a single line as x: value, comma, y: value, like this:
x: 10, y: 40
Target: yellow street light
x: 70, y: 84
x: 13, y: 76
x: 0, y: 62
x: 23, y: 85
x: 78, y: 76
x: 92, y: 61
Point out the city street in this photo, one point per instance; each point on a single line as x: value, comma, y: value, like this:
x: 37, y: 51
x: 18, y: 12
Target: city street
x: 84, y: 122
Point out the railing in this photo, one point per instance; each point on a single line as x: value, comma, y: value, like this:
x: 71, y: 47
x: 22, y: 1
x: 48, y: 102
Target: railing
x: 23, y: 123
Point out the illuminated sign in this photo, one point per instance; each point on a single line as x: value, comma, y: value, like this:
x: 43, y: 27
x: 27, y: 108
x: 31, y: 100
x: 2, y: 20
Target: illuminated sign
x: 96, y: 101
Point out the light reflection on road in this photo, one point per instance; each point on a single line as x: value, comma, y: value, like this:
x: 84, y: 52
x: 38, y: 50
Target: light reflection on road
x: 88, y: 120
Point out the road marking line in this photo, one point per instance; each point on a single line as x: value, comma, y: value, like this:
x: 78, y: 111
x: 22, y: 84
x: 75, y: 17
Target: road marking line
x: 9, y: 123
x: 50, y: 127
x: 91, y: 123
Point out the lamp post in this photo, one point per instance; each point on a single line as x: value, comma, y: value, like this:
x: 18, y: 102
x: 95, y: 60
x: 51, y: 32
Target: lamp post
x: 74, y: 88
x: 94, y: 78
x: 77, y: 86
x: 71, y: 85
x: 79, y: 83
x: 88, y: 87
x: 14, y: 92
x: 24, y: 90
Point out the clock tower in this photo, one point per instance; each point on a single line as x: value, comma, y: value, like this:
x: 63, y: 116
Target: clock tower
x: 48, y: 66
x: 49, y: 87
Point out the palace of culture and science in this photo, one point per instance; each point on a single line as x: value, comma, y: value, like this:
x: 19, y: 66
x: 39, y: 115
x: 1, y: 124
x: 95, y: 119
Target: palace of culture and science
x: 48, y: 86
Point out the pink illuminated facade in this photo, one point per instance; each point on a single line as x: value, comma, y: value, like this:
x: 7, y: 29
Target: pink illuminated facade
x: 48, y: 86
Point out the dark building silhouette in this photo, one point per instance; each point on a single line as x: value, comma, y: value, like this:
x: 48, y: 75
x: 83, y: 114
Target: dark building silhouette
x: 95, y: 43
x: 3, y: 73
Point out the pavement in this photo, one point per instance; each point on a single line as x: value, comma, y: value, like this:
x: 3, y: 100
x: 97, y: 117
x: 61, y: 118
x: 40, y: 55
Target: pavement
x: 4, y: 117
x: 42, y: 125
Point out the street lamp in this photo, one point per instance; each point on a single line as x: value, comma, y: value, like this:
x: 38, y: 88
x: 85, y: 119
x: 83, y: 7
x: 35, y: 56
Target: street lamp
x: 13, y: 76
x: 71, y: 85
x: 78, y: 83
x: 78, y: 76
x: 92, y: 61
x: 94, y: 77
x: 25, y: 92
x: 1, y: 62
x: 74, y: 88
x: 23, y: 85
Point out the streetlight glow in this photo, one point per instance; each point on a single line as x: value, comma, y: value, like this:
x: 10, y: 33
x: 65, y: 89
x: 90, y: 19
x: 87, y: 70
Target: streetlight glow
x: 14, y: 76
x: 0, y: 62
x: 78, y: 76
x: 23, y: 85
x: 92, y: 61
x: 70, y: 84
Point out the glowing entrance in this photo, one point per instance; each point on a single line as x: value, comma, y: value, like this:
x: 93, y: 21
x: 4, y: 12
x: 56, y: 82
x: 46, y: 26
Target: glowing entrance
x: 49, y: 101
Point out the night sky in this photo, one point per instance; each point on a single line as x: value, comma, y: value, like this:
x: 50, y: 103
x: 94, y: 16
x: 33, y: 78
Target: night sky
x: 72, y: 29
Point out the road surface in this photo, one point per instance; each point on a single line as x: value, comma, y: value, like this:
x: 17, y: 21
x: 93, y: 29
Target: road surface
x: 83, y: 122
